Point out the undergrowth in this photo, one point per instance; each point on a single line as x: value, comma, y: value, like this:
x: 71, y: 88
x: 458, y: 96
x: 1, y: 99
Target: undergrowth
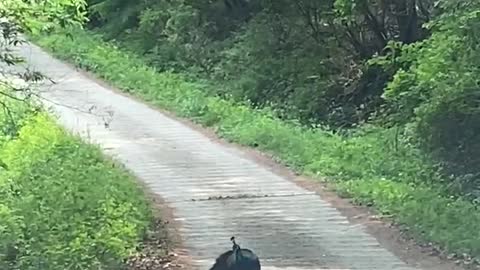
x: 374, y: 166
x: 63, y: 205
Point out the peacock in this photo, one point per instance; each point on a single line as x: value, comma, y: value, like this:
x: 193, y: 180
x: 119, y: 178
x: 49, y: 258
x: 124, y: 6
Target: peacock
x: 237, y: 259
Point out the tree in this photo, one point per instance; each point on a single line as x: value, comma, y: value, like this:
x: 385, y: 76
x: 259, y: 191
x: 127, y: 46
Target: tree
x: 35, y: 15
x: 20, y: 17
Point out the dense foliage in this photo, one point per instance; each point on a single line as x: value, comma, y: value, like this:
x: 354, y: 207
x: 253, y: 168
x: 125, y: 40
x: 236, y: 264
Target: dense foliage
x: 436, y: 92
x: 407, y: 64
x: 307, y: 57
x: 18, y: 17
x: 35, y: 15
x: 63, y: 205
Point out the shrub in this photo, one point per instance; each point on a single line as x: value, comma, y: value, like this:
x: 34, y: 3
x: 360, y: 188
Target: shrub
x: 67, y: 206
x: 437, y: 93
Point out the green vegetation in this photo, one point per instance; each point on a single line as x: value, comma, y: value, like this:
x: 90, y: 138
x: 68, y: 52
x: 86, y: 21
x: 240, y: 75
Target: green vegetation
x: 374, y: 165
x: 38, y: 15
x: 63, y: 205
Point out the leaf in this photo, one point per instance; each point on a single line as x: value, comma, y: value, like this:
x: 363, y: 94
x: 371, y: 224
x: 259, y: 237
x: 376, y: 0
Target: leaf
x: 3, y: 165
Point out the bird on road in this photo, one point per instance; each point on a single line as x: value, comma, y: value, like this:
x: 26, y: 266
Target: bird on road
x: 237, y: 259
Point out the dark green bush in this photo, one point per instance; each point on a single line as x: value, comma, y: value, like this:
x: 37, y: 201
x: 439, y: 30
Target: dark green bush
x: 439, y: 93
x: 304, y: 57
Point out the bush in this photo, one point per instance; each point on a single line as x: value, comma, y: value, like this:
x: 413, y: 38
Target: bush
x: 304, y: 57
x: 437, y: 93
x: 63, y: 204
x: 372, y: 165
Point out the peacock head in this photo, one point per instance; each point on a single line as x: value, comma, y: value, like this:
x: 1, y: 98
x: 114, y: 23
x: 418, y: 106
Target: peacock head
x: 235, y: 245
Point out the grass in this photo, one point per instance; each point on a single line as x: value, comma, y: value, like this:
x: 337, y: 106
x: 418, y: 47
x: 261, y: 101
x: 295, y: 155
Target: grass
x: 373, y: 166
x: 63, y: 205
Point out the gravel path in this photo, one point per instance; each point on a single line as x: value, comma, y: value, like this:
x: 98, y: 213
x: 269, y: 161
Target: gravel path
x: 288, y: 226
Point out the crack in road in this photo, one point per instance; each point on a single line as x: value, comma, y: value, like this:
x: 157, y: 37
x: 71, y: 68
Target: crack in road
x: 248, y: 196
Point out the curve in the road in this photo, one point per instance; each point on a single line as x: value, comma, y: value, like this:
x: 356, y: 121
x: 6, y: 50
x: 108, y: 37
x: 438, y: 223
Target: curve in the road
x: 288, y: 226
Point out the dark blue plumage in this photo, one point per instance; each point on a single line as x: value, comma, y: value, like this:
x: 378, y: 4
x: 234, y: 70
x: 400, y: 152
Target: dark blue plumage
x: 237, y: 259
